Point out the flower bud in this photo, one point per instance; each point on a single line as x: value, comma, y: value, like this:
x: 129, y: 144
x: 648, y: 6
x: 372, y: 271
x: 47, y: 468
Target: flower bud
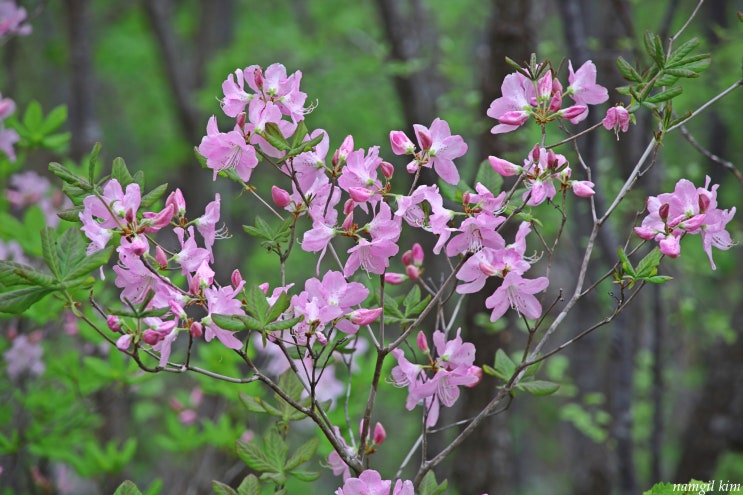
x: 704, y: 203
x: 424, y: 137
x: 401, y: 143
x: 151, y: 337
x: 407, y: 257
x: 514, y: 117
x: 670, y: 246
x: 412, y: 272
x: 544, y: 85
x: 360, y: 194
x: 346, y: 147
x: 348, y: 206
x: 179, y: 203
x: 573, y: 112
x: 321, y: 338
x: 241, y: 120
x: 258, y: 78
x: 114, y: 323
x: 379, y: 434
x: 504, y: 167
x: 123, y: 342
x: 280, y: 197
x: 422, y: 342
x: 236, y: 279
x: 394, y: 278
x: 161, y: 258
x: 535, y: 153
x: 387, y: 169
x: 418, y: 254
x: 196, y: 329
x: 138, y: 245
x: 583, y: 188
x: 365, y: 316
x: 663, y: 211
x: 412, y: 167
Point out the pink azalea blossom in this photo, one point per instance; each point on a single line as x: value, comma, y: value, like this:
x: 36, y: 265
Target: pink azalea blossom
x: 442, y: 149
x: 369, y: 482
x: 617, y: 119
x: 225, y: 150
x: 583, y: 88
x: 517, y: 292
x: 12, y: 20
x: 512, y: 109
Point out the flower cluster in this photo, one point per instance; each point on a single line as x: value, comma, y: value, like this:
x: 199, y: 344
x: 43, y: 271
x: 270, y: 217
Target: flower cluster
x: 370, y: 482
x: 29, y: 188
x: 8, y: 137
x: 438, y: 381
x: 12, y: 20
x: 687, y: 210
x: 542, y: 98
x: 541, y: 169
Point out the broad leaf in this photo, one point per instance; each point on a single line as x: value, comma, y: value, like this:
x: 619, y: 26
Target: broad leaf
x: 538, y: 387
x: 127, y: 488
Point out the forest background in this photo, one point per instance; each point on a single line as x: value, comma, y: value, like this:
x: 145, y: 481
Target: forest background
x: 656, y: 396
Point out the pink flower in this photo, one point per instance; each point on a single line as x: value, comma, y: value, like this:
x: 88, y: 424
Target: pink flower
x: 12, y: 20
x: 369, y: 482
x: 224, y: 150
x: 401, y: 143
x: 504, y: 167
x: 517, y: 292
x: 617, y: 118
x: 280, y: 197
x: 235, y: 97
x: 512, y: 109
x: 583, y: 88
x: 442, y: 149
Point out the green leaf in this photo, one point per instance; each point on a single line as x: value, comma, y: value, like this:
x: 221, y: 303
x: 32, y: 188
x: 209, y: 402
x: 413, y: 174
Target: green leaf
x: 412, y: 298
x: 305, y: 476
x: 33, y: 117
x: 14, y: 274
x: 220, y: 488
x: 654, y: 47
x: 253, y: 456
x: 256, y: 404
x: 627, y: 71
x: 391, y: 308
x: 121, y: 173
x: 303, y: 454
x: 429, y: 485
x: 681, y: 51
x: 488, y: 177
x: 233, y: 323
x: 416, y: 310
x: 93, y: 162
x: 257, y: 304
x: 538, y: 387
x: 299, y: 135
x: 276, y: 449
x: 504, y: 367
x: 70, y: 178
x: 17, y: 301
x: 648, y: 266
x: 70, y: 214
x: 281, y: 305
x: 127, y: 488
x: 249, y: 486
x: 275, y: 138
x: 151, y: 197
x: 282, y: 324
x: 88, y: 264
x: 489, y: 370
x: 666, y: 95
x: 54, y: 120
x: 658, y: 279
x: 626, y: 265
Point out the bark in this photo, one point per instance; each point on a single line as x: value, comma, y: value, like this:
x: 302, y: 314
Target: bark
x: 82, y: 121
x: 413, y: 38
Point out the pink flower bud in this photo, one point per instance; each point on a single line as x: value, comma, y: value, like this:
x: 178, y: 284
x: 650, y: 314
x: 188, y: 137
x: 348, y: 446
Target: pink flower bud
x: 258, y: 78
x: 466, y: 198
x: 348, y: 222
x: 161, y: 258
x: 360, y: 194
x: 321, y: 338
x: 387, y: 169
x: 336, y: 158
x: 236, y: 279
x: 241, y: 120
x: 703, y: 202
x: 280, y: 197
x: 379, y: 434
x: 412, y: 272
x: 196, y: 329
x: 536, y: 152
x: 348, y: 206
x: 514, y: 117
x: 187, y: 416
x: 645, y: 233
x: 407, y: 257
x: 663, y: 211
x: 123, y: 342
x: 475, y: 371
x: 418, y: 254
x: 412, y: 167
x: 488, y: 269
x: 394, y: 278
x: 422, y: 342
x: 556, y: 102
x: 670, y: 246
x: 177, y: 310
x: 401, y: 143
x: 196, y: 396
x: 583, y: 188
x: 573, y: 112
x: 424, y: 137
x: 346, y: 147
x: 544, y: 85
x: 504, y: 167
x: 114, y: 323
x: 365, y: 316
x: 176, y: 199
x: 159, y: 220
x: 151, y: 337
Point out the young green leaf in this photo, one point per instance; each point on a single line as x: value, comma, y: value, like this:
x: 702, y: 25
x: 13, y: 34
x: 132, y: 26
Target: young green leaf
x: 627, y: 71
x: 127, y: 488
x: 504, y: 367
x: 303, y: 454
x: 626, y: 265
x: 249, y: 486
x: 538, y: 387
x: 220, y: 488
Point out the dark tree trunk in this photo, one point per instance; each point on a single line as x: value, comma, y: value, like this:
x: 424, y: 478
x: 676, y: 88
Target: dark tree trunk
x: 82, y: 121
